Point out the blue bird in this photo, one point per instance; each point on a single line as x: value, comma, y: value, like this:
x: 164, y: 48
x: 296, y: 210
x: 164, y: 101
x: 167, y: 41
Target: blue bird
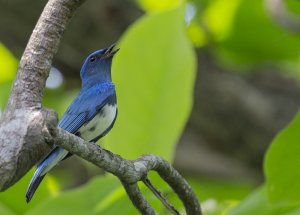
x: 90, y: 116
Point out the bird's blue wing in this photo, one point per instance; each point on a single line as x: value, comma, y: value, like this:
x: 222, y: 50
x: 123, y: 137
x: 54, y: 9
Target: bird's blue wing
x: 84, y: 108
x: 72, y: 122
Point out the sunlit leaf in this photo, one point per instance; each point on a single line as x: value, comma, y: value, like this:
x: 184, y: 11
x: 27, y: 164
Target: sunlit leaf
x: 83, y: 200
x: 154, y: 74
x: 220, y: 190
x: 294, y: 212
x: 4, y: 93
x: 158, y: 5
x: 282, y: 166
x: 14, y: 198
x: 196, y: 35
x: 219, y: 17
x: 52, y: 185
x: 8, y: 65
x: 256, y: 38
x: 213, y: 207
x: 110, y: 199
x: 293, y: 6
x: 257, y: 203
x: 5, y: 210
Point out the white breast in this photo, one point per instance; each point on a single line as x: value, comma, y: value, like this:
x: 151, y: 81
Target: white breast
x: 99, y: 123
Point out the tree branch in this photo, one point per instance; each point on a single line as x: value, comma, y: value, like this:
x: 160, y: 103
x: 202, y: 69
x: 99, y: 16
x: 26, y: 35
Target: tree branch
x: 159, y: 195
x: 129, y: 172
x: 27, y: 130
x: 24, y: 123
x: 282, y: 16
x: 138, y: 199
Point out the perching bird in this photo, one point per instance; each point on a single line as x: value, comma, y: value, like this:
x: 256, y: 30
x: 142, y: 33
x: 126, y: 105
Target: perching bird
x: 90, y: 116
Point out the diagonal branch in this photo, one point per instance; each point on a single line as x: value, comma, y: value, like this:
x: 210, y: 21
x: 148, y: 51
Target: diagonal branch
x: 138, y: 199
x: 24, y: 121
x: 37, y: 58
x: 129, y: 172
x: 282, y: 16
x: 159, y: 195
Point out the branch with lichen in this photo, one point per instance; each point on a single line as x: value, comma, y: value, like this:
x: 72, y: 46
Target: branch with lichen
x: 28, y: 131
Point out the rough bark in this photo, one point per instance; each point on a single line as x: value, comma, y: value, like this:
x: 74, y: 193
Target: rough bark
x: 24, y: 122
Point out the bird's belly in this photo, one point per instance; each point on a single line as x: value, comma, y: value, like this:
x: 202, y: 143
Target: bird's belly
x: 98, y: 125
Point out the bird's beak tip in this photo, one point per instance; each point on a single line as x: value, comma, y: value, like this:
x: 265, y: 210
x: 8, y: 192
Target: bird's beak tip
x: 115, y: 51
x: 110, y: 52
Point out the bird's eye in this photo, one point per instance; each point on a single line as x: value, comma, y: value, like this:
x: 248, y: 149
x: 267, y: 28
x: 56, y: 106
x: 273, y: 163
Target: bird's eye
x: 92, y: 59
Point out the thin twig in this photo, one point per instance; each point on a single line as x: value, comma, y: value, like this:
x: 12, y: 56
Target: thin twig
x: 159, y: 195
x: 138, y: 199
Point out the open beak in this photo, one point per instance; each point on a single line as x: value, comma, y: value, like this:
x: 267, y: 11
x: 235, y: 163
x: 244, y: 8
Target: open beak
x: 110, y: 52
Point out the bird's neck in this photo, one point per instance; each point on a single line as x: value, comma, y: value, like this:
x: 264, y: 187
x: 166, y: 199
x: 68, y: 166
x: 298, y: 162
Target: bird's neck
x: 99, y: 88
x: 96, y: 80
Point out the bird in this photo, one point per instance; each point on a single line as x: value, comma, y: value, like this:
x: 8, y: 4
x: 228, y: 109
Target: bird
x: 90, y: 116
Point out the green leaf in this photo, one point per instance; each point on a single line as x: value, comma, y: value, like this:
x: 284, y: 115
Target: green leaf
x: 293, y: 6
x: 255, y: 38
x: 294, y: 212
x: 154, y: 74
x: 94, y: 198
x: 8, y: 65
x: 14, y: 198
x: 102, y: 195
x: 257, y: 203
x: 220, y: 190
x: 5, y: 210
x: 158, y: 5
x: 4, y: 94
x: 282, y: 165
x: 219, y: 17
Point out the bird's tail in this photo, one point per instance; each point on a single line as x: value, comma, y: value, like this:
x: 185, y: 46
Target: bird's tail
x: 56, y: 155
x: 33, y: 185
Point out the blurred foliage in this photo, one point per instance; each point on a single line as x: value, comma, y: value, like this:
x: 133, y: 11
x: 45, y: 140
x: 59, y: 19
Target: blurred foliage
x: 8, y: 67
x: 196, y: 35
x: 219, y: 17
x: 98, y: 196
x: 13, y: 199
x: 156, y: 6
x: 257, y: 203
x: 280, y: 194
x: 242, y: 34
x: 145, y: 117
x: 253, y: 31
x: 293, y: 6
x: 282, y: 165
x: 154, y: 74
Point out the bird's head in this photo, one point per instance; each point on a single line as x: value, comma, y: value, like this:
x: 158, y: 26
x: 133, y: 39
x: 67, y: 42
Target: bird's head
x: 97, y: 66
